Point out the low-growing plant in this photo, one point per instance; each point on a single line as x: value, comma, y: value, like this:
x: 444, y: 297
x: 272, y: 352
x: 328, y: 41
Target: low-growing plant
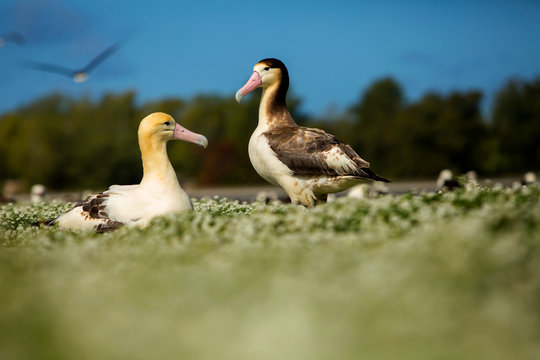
x: 447, y: 275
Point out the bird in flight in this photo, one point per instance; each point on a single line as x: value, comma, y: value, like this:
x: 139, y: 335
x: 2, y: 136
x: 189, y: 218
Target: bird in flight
x: 13, y: 37
x: 77, y: 75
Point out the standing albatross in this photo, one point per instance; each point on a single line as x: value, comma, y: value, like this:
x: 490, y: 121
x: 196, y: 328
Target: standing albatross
x: 158, y: 193
x: 307, y: 163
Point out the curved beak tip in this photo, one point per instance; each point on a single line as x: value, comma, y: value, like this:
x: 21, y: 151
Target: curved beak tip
x: 239, y: 96
x: 203, y: 141
x: 181, y: 133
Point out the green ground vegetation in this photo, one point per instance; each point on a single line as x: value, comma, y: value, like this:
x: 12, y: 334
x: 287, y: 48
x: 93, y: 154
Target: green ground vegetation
x: 416, y: 276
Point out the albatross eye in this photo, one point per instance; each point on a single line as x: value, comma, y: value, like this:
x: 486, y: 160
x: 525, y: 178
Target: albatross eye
x: 167, y: 123
x: 267, y: 68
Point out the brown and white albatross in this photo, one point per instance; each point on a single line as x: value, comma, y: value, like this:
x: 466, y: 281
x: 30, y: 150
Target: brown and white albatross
x: 307, y: 163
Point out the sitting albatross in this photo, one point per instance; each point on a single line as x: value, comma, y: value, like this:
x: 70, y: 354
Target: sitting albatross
x: 158, y: 193
x: 307, y: 163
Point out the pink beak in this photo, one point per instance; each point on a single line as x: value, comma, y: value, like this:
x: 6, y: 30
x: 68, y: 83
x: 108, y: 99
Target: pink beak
x: 253, y: 83
x: 181, y: 133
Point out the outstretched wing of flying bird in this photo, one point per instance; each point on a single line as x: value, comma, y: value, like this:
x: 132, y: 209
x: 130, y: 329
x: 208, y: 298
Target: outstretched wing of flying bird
x: 57, y: 69
x: 102, y: 56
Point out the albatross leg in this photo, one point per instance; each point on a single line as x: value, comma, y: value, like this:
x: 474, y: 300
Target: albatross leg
x: 306, y: 198
x: 322, y: 198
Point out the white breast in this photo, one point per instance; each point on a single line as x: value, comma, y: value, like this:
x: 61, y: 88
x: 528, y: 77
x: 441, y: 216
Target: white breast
x: 140, y: 204
x: 264, y: 160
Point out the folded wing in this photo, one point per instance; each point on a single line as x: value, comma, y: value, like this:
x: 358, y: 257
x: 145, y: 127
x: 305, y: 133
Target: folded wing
x: 313, y: 152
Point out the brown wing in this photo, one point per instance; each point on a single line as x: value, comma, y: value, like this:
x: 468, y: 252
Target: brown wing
x: 94, y: 207
x: 313, y: 152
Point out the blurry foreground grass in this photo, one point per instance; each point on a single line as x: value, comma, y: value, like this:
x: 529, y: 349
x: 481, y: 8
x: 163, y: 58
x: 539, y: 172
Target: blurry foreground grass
x: 436, y: 276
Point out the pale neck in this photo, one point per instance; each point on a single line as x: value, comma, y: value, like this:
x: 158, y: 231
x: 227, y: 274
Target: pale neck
x: 157, y: 168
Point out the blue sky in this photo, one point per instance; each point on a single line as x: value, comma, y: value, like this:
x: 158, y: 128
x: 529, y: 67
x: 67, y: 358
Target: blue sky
x: 333, y: 49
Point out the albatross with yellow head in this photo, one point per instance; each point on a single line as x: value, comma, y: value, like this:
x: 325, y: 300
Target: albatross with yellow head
x: 158, y: 193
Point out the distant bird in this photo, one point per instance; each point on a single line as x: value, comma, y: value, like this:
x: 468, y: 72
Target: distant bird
x: 80, y: 75
x: 472, y: 177
x: 12, y: 37
x: 37, y: 193
x: 472, y: 180
x: 447, y: 181
x: 267, y: 196
x: 158, y: 193
x: 528, y: 178
x: 379, y: 188
x: 11, y: 189
x: 362, y: 191
x: 307, y: 163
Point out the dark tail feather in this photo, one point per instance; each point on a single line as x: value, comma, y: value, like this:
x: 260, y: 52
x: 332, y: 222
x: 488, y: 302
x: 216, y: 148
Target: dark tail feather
x: 367, y: 173
x: 108, y: 226
x: 49, y: 222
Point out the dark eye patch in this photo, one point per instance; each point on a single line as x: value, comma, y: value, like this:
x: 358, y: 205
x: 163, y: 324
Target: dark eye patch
x: 167, y: 123
x: 267, y: 68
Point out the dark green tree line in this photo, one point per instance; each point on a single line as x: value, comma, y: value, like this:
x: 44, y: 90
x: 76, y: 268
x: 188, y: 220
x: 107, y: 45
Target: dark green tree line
x: 445, y: 131
x: 78, y: 143
x: 516, y: 126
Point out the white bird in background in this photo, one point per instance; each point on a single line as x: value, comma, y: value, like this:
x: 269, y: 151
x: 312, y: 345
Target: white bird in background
x: 528, y: 178
x: 77, y: 75
x: 12, y: 37
x: 37, y: 193
x: 447, y: 181
x: 360, y: 191
x: 158, y: 193
x: 471, y: 180
x: 307, y: 163
x: 363, y: 191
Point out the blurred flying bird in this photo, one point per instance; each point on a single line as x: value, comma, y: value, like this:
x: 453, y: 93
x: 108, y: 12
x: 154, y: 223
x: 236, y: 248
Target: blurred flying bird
x: 79, y: 75
x: 13, y: 37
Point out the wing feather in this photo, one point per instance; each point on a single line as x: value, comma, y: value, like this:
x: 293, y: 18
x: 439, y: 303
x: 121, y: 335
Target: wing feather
x: 52, y: 68
x: 104, y: 55
x: 89, y: 212
x: 314, y: 152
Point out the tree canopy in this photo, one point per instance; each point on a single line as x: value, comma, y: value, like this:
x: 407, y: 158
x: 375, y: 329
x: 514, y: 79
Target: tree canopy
x: 66, y: 142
